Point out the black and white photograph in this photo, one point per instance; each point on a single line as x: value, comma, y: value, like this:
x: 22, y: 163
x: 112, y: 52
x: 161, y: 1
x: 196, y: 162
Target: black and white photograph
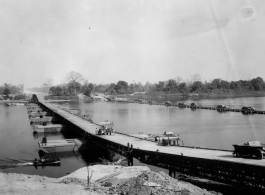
x: 132, y: 97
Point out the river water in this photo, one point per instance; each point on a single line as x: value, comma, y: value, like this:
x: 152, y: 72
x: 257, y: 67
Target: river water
x: 200, y: 128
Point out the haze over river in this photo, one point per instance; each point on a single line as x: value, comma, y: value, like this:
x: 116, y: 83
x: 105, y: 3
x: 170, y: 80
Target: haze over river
x: 199, y: 128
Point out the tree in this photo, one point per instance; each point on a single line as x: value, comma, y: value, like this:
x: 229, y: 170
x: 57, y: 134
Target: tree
x: 121, y: 87
x: 196, y: 77
x: 74, y: 87
x: 74, y: 78
x: 86, y: 90
x: 216, y: 83
x: 46, y: 86
x: 257, y: 83
x: 183, y: 87
x: 56, y: 91
x: 197, y: 85
x: 159, y: 86
x: 171, y: 85
x: 178, y: 79
x: 6, y: 92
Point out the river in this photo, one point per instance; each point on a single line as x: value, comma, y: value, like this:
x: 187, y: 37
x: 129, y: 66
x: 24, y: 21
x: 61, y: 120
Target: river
x: 200, y: 128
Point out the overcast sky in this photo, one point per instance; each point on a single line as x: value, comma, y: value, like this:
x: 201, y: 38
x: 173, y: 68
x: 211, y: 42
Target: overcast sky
x: 107, y: 41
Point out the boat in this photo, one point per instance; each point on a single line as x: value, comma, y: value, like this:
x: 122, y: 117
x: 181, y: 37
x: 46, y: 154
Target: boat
x: 37, y: 114
x: 48, y: 128
x: 32, y: 106
x: 52, y: 146
x: 47, y: 162
x: 35, y: 110
x: 41, y: 119
x: 15, y: 104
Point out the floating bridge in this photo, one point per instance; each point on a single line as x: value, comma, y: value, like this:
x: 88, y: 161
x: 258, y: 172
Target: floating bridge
x: 216, y: 165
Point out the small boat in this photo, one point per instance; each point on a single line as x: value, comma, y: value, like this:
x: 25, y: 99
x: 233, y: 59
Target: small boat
x: 32, y: 106
x: 38, y: 114
x: 48, y: 128
x: 51, y: 146
x: 41, y: 119
x: 47, y: 162
x: 35, y: 110
x: 15, y: 104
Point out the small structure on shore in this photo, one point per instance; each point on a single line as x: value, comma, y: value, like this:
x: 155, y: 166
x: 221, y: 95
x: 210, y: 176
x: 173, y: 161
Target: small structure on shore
x: 64, y: 145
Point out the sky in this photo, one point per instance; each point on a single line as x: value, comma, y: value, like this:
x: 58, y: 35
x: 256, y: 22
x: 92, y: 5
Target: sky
x: 130, y: 40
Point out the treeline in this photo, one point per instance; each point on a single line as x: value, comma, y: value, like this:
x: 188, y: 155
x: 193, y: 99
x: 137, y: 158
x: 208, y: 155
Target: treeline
x: 8, y: 89
x: 194, y: 85
x: 215, y: 86
x: 72, y: 89
x: 169, y: 87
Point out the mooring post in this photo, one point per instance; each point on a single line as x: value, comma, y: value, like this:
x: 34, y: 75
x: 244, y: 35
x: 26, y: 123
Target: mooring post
x: 131, y: 147
x: 128, y: 146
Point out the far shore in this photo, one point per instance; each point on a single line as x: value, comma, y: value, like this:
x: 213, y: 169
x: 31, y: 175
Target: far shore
x: 193, y: 95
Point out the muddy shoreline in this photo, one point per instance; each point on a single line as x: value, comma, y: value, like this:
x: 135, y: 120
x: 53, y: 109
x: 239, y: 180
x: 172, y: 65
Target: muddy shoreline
x: 104, y: 179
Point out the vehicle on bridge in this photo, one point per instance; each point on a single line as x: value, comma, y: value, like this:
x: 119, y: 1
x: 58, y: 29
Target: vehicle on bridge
x: 182, y: 105
x: 247, y: 110
x: 193, y: 106
x: 221, y: 108
x: 105, y: 128
x: 151, y: 102
x: 168, y: 138
x: 250, y: 149
x: 168, y: 103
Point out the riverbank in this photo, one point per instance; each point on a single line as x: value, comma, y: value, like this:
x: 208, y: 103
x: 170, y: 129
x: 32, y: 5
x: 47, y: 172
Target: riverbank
x: 104, y: 179
x: 193, y: 95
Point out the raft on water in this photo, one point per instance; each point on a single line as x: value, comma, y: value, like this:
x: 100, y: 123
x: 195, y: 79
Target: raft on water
x: 37, y: 114
x: 51, y: 146
x: 15, y: 104
x: 48, y: 128
x: 35, y: 110
x: 41, y: 119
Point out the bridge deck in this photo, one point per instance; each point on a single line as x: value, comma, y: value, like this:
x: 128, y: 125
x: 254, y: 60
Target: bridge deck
x: 138, y: 143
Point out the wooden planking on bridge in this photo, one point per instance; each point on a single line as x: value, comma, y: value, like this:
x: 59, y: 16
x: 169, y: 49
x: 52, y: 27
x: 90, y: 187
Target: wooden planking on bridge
x: 141, y: 144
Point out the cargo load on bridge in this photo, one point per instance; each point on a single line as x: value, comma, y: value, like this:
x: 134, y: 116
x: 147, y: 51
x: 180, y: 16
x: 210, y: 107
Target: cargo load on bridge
x: 168, y: 138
